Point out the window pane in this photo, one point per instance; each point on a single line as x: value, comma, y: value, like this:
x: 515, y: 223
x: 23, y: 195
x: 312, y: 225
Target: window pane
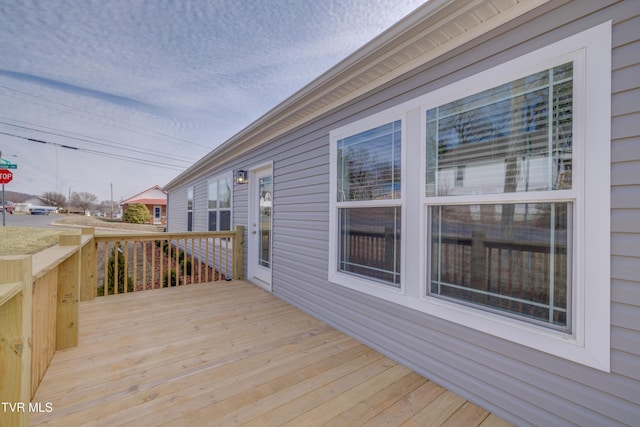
x: 369, y: 164
x: 213, y: 195
x: 225, y: 221
x: 511, y: 138
x: 224, y: 187
x: 370, y: 243
x: 190, y: 221
x: 213, y: 220
x: 507, y: 257
x: 190, y: 199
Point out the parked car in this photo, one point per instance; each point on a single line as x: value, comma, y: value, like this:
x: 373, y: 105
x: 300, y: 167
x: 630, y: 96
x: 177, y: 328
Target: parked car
x: 9, y: 207
x: 39, y: 211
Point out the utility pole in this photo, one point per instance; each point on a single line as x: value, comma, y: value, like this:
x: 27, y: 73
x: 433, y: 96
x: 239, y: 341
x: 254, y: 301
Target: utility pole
x: 112, y: 200
x: 7, y: 176
x: 4, y: 208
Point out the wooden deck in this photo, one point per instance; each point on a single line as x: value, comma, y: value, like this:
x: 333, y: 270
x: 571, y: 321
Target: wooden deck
x: 228, y: 353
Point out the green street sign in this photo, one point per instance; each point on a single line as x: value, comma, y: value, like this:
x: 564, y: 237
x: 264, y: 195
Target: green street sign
x: 6, y: 164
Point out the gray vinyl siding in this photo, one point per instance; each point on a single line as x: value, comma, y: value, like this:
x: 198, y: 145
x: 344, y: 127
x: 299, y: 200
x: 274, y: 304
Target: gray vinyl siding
x: 525, y: 386
x: 625, y: 199
x: 177, y: 210
x: 200, y: 202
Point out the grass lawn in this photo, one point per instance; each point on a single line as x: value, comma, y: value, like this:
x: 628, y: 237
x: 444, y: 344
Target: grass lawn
x: 27, y: 240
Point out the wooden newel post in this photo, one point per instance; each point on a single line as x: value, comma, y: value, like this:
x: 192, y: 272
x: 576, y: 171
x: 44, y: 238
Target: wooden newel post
x: 68, y: 294
x: 88, y: 267
x: 238, y: 253
x: 15, y: 338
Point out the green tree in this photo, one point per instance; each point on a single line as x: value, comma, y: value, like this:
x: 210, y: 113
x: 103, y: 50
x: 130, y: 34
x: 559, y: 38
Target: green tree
x: 137, y: 213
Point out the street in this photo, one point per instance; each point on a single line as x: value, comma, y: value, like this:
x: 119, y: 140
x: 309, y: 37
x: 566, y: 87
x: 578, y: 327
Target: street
x: 25, y: 220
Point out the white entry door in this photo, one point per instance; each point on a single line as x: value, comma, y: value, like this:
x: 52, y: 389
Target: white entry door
x: 260, y: 225
x: 157, y: 214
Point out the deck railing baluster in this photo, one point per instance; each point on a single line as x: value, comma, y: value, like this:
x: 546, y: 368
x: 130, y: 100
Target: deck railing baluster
x: 106, y: 268
x: 125, y: 280
x: 191, y: 257
x: 135, y: 265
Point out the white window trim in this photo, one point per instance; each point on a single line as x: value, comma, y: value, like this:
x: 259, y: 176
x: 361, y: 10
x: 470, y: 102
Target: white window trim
x: 335, y: 275
x: 192, y: 189
x: 230, y: 208
x: 589, y: 344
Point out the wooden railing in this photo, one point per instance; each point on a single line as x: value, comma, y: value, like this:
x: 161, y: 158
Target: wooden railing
x: 40, y: 295
x: 138, y: 262
x: 15, y: 331
x: 38, y: 315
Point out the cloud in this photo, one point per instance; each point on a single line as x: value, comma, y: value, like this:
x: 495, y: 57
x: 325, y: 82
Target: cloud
x: 178, y: 77
x: 91, y: 93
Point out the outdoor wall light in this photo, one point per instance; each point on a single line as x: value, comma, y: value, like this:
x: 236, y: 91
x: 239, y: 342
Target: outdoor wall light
x: 241, y: 176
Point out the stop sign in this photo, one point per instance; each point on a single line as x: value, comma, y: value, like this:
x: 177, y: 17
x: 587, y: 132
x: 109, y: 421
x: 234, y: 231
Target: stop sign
x: 5, y: 176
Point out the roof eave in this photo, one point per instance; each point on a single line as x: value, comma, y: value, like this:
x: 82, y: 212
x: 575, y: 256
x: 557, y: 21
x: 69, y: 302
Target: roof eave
x: 420, y: 37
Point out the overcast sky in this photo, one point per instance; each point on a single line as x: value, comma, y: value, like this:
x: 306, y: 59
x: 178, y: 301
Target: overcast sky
x: 129, y: 92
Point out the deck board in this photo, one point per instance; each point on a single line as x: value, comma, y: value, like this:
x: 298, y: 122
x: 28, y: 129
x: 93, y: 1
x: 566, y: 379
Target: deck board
x: 228, y: 353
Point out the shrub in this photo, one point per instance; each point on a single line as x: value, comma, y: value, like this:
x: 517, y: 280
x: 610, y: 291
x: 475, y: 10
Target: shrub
x: 170, y: 279
x: 110, y: 273
x: 185, y: 262
x: 186, y: 265
x: 136, y: 213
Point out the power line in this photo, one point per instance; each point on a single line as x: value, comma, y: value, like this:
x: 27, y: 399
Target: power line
x: 99, y: 116
x: 101, y: 153
x: 77, y: 134
x: 155, y: 154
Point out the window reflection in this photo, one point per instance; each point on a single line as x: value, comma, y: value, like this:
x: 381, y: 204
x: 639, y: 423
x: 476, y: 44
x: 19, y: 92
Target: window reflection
x: 512, y: 138
x: 521, y: 268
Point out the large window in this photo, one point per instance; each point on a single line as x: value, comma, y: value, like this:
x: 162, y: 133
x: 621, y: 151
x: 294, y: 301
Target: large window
x: 219, y: 204
x: 190, y: 209
x: 486, y: 202
x: 368, y: 199
x: 503, y: 254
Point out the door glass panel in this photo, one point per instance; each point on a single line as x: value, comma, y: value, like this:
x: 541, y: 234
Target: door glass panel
x: 265, y: 190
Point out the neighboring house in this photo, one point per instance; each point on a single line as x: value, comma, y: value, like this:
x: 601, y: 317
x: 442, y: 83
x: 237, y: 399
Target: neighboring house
x: 155, y: 199
x: 461, y: 194
x: 37, y: 203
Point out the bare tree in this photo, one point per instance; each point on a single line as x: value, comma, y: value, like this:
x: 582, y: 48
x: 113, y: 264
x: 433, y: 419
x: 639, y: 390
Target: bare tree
x: 104, y: 207
x: 83, y: 200
x: 58, y: 200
